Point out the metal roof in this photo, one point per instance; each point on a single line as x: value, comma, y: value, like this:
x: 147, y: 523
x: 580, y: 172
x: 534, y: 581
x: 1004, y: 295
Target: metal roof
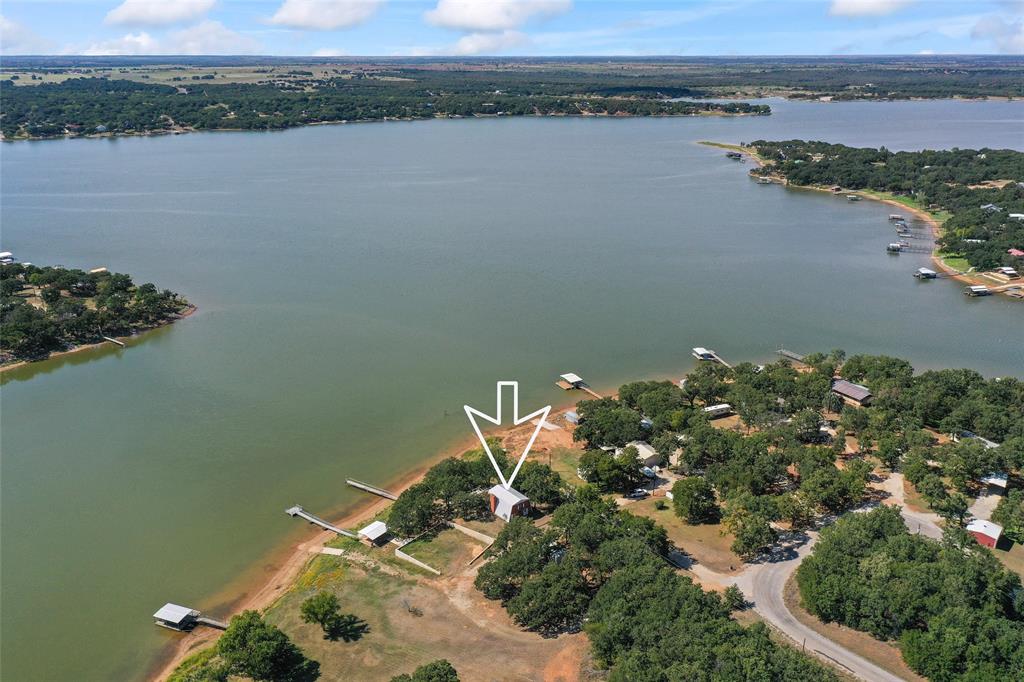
x: 850, y: 389
x: 374, y: 531
x: 987, y: 528
x: 507, y: 494
x: 174, y: 613
x: 572, y: 378
x: 995, y: 478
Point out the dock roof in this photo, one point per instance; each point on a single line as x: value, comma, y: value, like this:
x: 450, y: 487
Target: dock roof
x: 374, y: 531
x: 572, y: 378
x: 174, y: 613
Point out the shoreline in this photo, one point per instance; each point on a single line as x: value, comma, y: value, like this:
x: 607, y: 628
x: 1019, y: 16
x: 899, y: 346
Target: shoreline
x: 921, y: 214
x: 290, y: 560
x: 187, y: 312
x: 189, y: 131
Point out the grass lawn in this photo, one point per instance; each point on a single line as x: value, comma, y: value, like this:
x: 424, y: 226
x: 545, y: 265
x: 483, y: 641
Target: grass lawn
x: 705, y: 542
x: 913, y: 499
x: 1012, y: 558
x: 565, y: 461
x: 409, y: 622
x: 447, y: 551
x: 883, y: 654
x: 956, y: 262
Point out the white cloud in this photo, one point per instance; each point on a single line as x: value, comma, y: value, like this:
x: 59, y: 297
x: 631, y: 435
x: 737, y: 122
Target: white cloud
x: 206, y: 37
x: 158, y: 12
x: 324, y: 15
x: 493, y: 15
x: 866, y: 8
x: 131, y: 43
x: 487, y: 43
x: 1006, y: 35
x: 329, y: 52
x: 15, y: 38
x: 210, y: 37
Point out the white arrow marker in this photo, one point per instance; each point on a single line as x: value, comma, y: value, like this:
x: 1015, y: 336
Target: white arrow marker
x: 473, y: 413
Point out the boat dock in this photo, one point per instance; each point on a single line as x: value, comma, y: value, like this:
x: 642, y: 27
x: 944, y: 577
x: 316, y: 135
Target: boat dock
x: 705, y: 354
x: 570, y: 380
x: 790, y: 355
x: 184, y: 618
x: 371, y: 489
x: 316, y: 520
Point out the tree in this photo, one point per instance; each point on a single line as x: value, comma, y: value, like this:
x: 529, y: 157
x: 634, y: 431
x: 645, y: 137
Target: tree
x: 540, y: 483
x: 256, y: 649
x: 611, y: 472
x: 606, y: 422
x: 1009, y: 513
x: 322, y: 609
x: 693, y: 500
x: 753, y: 532
x: 734, y: 598
x: 50, y: 295
x: 437, y: 671
x: 554, y: 600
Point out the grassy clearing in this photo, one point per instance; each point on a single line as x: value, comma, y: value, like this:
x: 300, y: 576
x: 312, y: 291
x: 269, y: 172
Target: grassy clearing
x: 704, y: 542
x: 1012, y: 558
x: 956, y: 262
x: 447, y: 551
x: 565, y: 461
x: 883, y: 654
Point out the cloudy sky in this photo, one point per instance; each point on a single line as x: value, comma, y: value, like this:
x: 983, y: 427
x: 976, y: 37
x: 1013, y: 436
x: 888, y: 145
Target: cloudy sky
x: 512, y: 27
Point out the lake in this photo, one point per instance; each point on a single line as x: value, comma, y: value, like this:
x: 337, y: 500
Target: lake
x: 357, y: 284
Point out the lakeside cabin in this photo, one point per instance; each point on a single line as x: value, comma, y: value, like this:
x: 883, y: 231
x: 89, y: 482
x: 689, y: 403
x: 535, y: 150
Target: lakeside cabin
x: 851, y: 393
x: 570, y: 380
x: 925, y: 273
x: 508, y: 502
x: 720, y: 410
x: 647, y: 455
x: 373, y: 534
x: 703, y: 353
x: 176, y: 617
x: 977, y: 290
x: 1008, y: 272
x: 985, y: 532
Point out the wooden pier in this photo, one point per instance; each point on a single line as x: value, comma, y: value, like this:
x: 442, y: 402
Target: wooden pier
x: 316, y: 520
x: 790, y: 355
x: 371, y: 489
x: 114, y: 341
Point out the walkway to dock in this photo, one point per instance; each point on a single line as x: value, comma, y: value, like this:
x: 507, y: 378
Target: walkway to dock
x: 302, y: 513
x: 795, y: 357
x: 219, y: 624
x: 114, y: 341
x: 718, y: 358
x: 371, y: 489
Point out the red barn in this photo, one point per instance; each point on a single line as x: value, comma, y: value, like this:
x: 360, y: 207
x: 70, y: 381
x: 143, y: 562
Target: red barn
x: 508, y: 502
x: 985, y: 532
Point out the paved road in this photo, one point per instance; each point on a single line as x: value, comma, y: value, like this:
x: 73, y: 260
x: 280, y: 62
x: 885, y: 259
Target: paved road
x: 764, y: 584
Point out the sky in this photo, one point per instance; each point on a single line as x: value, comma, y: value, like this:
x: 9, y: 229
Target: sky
x: 512, y: 27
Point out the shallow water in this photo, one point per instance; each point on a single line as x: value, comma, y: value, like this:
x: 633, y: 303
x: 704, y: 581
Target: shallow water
x: 357, y: 284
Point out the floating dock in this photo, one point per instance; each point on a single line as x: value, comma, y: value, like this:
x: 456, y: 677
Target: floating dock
x: 371, y: 489
x: 316, y: 520
x: 790, y: 355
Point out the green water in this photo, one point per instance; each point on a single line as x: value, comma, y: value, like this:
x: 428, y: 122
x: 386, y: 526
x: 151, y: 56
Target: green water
x: 357, y: 284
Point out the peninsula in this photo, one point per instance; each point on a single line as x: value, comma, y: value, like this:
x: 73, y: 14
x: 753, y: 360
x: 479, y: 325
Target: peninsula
x: 47, y: 310
x: 972, y: 198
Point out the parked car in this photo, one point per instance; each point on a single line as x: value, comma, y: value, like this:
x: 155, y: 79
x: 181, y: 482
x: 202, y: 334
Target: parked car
x: 638, y: 494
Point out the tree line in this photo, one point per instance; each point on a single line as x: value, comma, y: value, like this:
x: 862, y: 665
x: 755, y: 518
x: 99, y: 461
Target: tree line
x: 90, y: 105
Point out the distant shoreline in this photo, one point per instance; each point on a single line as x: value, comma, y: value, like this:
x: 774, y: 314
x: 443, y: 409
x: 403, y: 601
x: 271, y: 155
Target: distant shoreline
x: 188, y: 131
x: 931, y: 220
x: 186, y: 312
